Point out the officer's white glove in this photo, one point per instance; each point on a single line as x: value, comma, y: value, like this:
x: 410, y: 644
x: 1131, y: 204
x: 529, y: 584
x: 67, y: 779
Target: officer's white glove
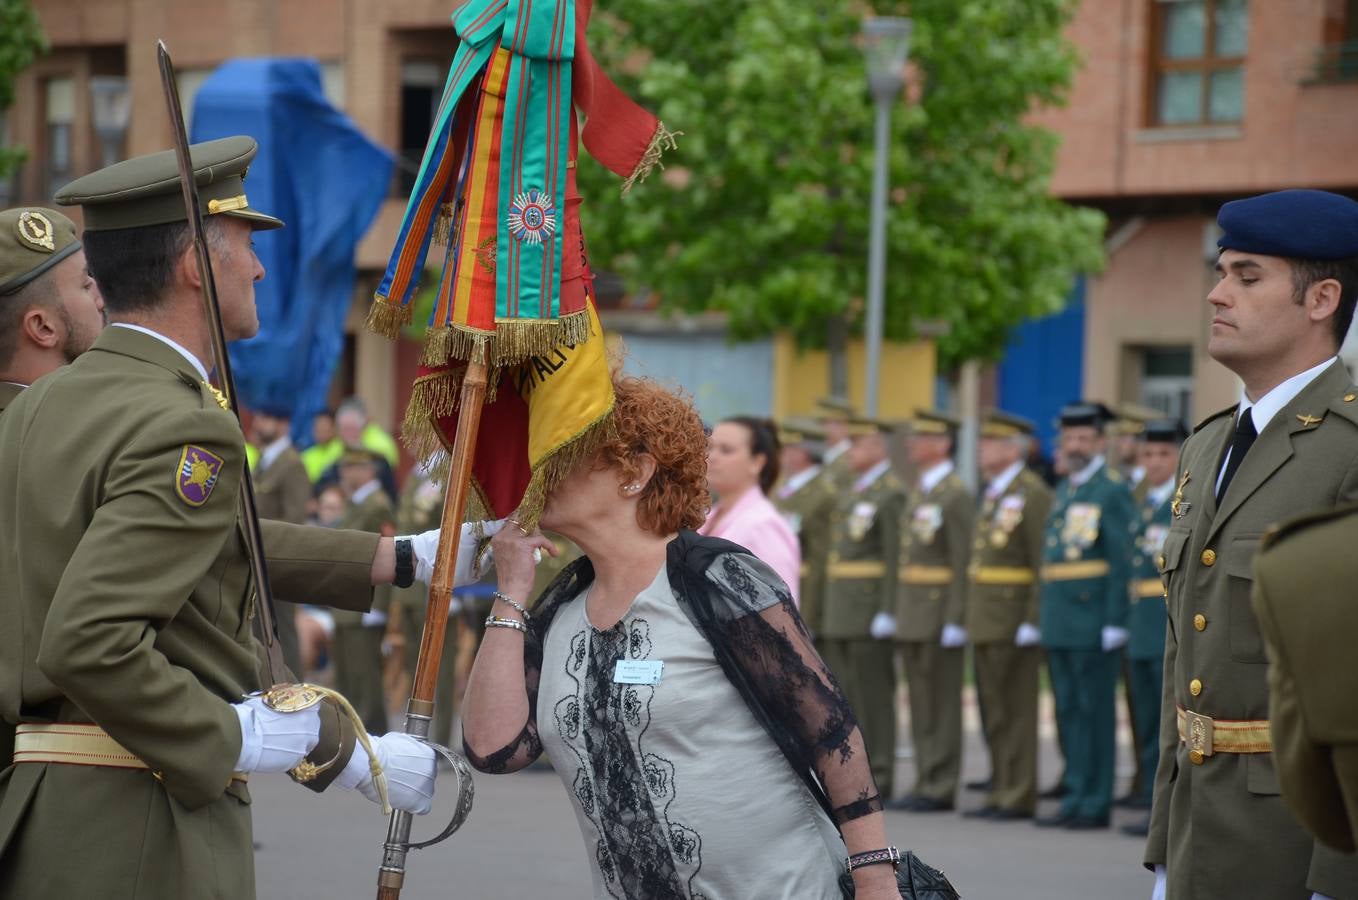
x: 1319, y: 896
x: 273, y: 741
x: 883, y: 626
x: 953, y: 636
x: 426, y: 546
x: 1027, y: 636
x: 1158, y: 892
x: 408, y: 764
x: 1113, y: 638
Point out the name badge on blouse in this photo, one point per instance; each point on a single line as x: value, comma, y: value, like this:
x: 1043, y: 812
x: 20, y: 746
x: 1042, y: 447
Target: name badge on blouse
x: 638, y: 671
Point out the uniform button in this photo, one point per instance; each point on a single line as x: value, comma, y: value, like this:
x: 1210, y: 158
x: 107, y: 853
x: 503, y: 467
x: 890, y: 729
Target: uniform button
x: 1195, y: 757
x: 1195, y: 687
x: 1200, y: 622
x: 1209, y: 557
x: 1160, y: 560
x: 1348, y: 398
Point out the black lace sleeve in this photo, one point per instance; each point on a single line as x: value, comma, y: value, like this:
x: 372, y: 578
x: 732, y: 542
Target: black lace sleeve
x: 770, y: 659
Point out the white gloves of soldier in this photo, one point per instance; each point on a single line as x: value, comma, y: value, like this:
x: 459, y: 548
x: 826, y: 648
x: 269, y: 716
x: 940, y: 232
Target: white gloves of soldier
x: 1113, y: 638
x: 1027, y: 636
x: 273, y: 741
x: 882, y: 626
x: 426, y: 545
x: 1158, y: 892
x: 953, y: 636
x: 409, y: 766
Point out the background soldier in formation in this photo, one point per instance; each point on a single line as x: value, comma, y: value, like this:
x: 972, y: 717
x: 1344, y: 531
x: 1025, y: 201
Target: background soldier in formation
x: 1002, y: 612
x: 860, y: 594
x: 1086, y: 563
x: 931, y: 609
x: 807, y: 498
x: 835, y: 416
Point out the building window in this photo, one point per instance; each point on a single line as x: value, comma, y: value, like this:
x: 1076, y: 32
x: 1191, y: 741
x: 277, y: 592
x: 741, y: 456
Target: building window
x: 1167, y: 380
x: 59, y: 121
x: 421, y: 89
x: 1199, y: 61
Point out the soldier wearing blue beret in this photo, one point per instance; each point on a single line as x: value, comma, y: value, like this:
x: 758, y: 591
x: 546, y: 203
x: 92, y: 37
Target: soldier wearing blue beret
x: 1287, y: 283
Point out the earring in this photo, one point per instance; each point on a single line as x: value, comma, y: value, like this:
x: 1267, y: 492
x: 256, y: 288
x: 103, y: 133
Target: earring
x: 632, y: 488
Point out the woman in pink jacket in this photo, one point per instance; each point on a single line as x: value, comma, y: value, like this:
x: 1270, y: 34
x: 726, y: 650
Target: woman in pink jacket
x: 742, y: 466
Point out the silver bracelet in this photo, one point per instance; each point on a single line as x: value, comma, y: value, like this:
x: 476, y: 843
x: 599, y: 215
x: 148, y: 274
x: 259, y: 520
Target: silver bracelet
x: 512, y: 602
x: 505, y: 622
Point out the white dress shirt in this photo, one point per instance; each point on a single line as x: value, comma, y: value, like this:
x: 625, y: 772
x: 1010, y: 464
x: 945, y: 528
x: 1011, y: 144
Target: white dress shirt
x: 197, y: 364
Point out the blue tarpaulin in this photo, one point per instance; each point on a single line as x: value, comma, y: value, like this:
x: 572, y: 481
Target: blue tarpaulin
x: 322, y: 176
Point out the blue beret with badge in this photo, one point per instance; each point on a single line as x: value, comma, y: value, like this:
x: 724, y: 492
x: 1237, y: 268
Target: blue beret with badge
x: 1298, y: 224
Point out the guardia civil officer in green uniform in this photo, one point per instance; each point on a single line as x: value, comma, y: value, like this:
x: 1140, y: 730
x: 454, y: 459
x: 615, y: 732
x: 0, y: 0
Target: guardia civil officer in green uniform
x: 1280, y: 309
x: 860, y: 593
x: 931, y: 608
x: 1303, y: 597
x: 807, y: 498
x: 1002, y: 610
x: 1160, y: 440
x: 126, y: 651
x: 1085, y: 570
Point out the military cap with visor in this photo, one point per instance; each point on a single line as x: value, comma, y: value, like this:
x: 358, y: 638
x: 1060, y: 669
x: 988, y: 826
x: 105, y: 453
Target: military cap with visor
x: 1297, y: 224
x: 358, y: 456
x: 32, y: 241
x: 928, y: 421
x: 1093, y: 414
x: 1165, y: 431
x: 145, y: 190
x: 996, y: 423
x: 859, y: 426
x: 794, y: 431
x: 835, y: 408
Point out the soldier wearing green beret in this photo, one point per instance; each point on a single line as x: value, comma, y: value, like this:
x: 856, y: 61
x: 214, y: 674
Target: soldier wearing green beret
x: 860, y: 593
x: 807, y: 498
x: 1284, y: 299
x: 1085, y: 570
x: 126, y: 653
x: 50, y: 308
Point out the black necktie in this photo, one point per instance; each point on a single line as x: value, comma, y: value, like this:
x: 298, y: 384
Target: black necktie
x: 1244, y: 439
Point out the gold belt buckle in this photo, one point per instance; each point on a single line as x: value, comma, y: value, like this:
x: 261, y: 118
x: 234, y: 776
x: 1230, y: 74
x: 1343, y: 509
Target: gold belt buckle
x: 1198, y: 733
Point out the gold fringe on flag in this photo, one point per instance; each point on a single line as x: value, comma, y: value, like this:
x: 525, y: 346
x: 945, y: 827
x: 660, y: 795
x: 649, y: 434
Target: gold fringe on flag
x: 512, y: 342
x: 662, y: 140
x: 548, y: 474
x: 443, y: 225
x: 388, y: 318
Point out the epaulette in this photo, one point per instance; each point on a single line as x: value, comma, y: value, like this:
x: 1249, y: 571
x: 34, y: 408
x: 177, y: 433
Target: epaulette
x: 1277, y: 533
x: 1346, y: 404
x: 1230, y: 410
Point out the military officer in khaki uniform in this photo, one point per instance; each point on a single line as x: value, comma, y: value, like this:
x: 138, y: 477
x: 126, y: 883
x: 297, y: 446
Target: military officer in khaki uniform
x: 125, y: 644
x: 834, y: 417
x: 807, y: 499
x: 1303, y: 597
x: 1281, y: 307
x: 50, y: 307
x: 1002, y: 611
x: 931, y: 608
x: 860, y: 594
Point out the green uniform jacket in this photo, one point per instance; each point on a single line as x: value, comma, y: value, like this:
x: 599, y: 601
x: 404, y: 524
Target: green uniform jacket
x: 373, y: 515
x: 1303, y: 596
x: 935, y: 548
x: 1147, y: 618
x: 1006, y: 552
x: 1221, y: 825
x: 128, y: 603
x: 283, y: 490
x: 810, y: 513
x: 864, y: 549
x: 1089, y: 523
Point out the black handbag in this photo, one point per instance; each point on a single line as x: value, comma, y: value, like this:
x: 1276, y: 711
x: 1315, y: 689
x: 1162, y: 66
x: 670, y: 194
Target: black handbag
x: 916, y: 879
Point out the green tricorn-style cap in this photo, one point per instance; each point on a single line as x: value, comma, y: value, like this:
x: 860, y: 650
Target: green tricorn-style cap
x: 145, y: 190
x: 795, y: 431
x: 32, y: 241
x: 929, y: 421
x: 996, y: 423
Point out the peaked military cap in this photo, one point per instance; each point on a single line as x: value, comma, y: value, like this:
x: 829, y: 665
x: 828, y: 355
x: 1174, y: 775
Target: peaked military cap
x: 835, y: 406
x: 144, y: 190
x: 1132, y: 418
x: 32, y: 241
x: 927, y: 421
x: 794, y: 431
x: 863, y: 425
x: 1165, y: 431
x: 1091, y: 413
x: 1301, y: 224
x: 996, y: 423
x: 358, y: 456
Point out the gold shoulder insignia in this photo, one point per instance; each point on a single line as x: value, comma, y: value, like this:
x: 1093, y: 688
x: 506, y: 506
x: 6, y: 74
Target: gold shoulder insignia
x: 1308, y: 420
x: 218, y: 396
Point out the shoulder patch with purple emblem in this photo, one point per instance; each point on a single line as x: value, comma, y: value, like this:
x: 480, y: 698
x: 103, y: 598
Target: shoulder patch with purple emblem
x: 196, y: 475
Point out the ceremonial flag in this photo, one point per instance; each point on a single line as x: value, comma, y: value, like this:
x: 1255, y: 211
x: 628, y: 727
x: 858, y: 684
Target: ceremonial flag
x: 497, y: 186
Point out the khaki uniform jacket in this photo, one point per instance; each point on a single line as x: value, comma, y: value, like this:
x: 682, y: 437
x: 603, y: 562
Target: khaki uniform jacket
x: 128, y: 604
x: 1303, y: 597
x: 1006, y: 553
x: 810, y: 512
x: 1221, y: 824
x: 935, y: 550
x: 8, y: 391
x: 864, y: 549
x: 375, y: 516
x: 282, y: 491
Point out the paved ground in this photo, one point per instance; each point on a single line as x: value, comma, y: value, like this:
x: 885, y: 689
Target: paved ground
x: 522, y: 842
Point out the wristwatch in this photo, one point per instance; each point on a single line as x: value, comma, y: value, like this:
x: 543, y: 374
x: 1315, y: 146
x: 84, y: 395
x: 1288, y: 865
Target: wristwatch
x: 405, y: 563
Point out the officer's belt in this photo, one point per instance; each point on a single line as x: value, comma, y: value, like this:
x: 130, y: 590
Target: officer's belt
x: 1075, y: 571
x: 78, y: 745
x: 1010, y: 575
x: 925, y: 575
x: 1205, y: 735
x: 1148, y: 587
x: 857, y: 568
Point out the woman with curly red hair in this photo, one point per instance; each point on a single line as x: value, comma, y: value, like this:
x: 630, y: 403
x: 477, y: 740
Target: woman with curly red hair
x: 706, y: 748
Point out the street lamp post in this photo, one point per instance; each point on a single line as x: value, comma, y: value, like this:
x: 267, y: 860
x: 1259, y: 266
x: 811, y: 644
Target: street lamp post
x: 886, y: 44
x: 111, y: 109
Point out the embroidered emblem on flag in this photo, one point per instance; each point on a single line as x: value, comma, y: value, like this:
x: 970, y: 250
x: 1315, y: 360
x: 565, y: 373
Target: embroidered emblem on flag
x: 532, y: 217
x: 197, y: 475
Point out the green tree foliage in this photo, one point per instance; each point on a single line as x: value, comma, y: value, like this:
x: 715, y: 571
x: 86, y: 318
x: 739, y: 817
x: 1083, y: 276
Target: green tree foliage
x: 21, y: 40
x: 763, y: 212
